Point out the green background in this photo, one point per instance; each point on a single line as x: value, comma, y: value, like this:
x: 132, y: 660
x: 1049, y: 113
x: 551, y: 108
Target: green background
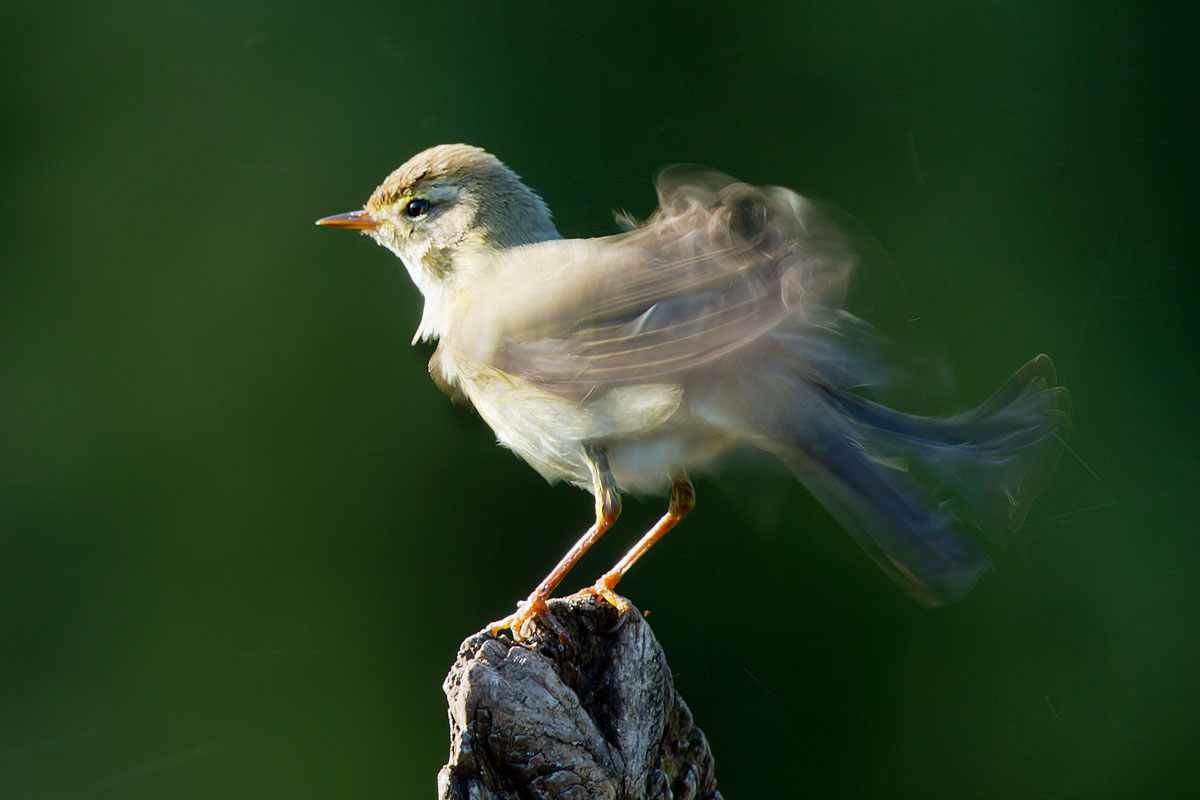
x: 242, y: 534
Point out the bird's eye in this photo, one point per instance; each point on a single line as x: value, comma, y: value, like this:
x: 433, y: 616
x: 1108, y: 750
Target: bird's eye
x: 417, y: 208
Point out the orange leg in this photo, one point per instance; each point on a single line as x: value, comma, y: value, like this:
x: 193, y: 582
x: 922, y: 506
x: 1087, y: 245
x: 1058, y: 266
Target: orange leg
x: 608, y: 508
x: 683, y: 500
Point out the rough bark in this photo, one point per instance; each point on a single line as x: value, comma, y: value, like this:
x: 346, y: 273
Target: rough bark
x: 595, y: 717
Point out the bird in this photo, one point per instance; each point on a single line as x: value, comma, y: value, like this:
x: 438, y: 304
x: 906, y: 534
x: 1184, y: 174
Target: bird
x: 721, y: 322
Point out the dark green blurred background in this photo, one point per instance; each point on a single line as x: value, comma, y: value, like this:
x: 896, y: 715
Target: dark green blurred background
x: 242, y: 534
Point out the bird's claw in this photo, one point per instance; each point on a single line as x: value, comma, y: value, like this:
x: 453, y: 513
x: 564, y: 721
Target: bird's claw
x: 517, y: 623
x: 602, y: 590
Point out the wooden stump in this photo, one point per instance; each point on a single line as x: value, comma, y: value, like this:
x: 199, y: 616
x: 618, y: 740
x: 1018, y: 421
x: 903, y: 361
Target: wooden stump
x: 595, y: 718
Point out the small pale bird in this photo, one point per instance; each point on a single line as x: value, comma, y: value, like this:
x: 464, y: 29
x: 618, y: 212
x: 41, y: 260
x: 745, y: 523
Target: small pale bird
x: 618, y: 363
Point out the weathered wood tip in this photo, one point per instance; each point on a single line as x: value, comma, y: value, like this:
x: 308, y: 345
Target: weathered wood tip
x: 595, y: 718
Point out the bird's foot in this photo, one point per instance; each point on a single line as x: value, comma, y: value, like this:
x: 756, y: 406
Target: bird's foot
x: 519, y: 623
x: 603, y: 590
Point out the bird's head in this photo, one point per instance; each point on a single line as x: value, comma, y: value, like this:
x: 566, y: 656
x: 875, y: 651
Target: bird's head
x: 447, y: 202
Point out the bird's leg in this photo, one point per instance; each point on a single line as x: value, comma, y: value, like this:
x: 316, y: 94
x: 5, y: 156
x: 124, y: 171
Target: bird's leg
x: 608, y: 508
x: 683, y: 500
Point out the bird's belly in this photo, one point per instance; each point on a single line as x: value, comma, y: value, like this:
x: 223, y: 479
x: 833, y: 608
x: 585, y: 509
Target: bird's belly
x: 647, y: 430
x: 647, y: 464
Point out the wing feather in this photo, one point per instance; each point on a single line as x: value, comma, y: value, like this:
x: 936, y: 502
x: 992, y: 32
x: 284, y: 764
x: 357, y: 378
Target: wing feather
x: 717, y: 267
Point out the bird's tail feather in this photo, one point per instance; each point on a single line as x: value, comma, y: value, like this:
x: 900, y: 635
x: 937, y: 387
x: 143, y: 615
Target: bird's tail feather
x: 918, y: 493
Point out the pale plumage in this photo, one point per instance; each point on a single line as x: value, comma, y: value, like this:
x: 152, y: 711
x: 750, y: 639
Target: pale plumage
x: 618, y: 363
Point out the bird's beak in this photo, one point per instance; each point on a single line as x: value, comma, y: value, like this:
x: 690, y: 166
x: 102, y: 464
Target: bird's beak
x: 357, y: 220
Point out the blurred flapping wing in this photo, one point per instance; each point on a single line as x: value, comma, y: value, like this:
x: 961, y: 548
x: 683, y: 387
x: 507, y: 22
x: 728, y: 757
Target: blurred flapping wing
x: 719, y: 265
